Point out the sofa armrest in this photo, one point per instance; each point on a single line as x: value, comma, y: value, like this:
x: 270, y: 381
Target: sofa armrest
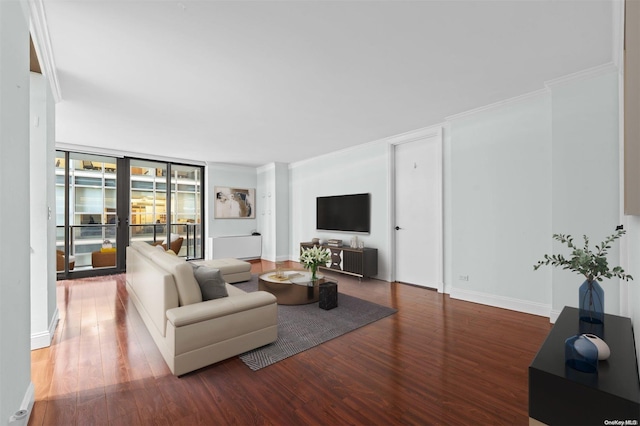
x: 209, y: 309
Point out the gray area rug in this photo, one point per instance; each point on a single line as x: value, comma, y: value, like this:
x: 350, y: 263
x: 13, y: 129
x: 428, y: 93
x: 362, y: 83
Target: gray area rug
x: 302, y: 327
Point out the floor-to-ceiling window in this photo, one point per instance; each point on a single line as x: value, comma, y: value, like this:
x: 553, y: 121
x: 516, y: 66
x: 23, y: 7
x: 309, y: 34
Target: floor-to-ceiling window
x: 161, y: 202
x: 186, y: 206
x: 86, y: 221
x: 159, y: 215
x: 148, y: 199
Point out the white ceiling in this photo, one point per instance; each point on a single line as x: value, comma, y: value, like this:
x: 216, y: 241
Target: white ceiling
x: 253, y: 82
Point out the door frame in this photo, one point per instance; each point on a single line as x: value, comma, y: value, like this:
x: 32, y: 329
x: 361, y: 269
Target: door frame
x: 432, y: 134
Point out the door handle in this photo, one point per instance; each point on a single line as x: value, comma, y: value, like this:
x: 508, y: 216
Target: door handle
x: 398, y: 228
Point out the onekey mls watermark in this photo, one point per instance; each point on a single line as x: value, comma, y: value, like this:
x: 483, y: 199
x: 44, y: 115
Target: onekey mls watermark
x: 621, y: 422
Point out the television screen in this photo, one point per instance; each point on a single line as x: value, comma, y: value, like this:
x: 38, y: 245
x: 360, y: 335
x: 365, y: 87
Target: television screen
x: 347, y: 213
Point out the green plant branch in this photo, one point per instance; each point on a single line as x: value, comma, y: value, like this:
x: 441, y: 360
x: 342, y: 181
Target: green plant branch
x: 593, y: 265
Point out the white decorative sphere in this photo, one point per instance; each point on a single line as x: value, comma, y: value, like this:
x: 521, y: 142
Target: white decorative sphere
x: 601, y: 345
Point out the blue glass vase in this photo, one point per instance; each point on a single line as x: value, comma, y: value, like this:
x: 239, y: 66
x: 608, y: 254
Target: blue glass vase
x: 581, y: 354
x: 591, y: 302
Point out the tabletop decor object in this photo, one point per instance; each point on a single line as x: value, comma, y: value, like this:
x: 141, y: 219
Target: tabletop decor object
x: 313, y: 257
x: 603, y: 349
x: 581, y: 354
x: 594, y: 266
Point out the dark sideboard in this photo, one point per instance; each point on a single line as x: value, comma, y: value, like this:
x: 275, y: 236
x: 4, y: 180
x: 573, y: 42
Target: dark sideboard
x: 359, y: 262
x: 560, y: 395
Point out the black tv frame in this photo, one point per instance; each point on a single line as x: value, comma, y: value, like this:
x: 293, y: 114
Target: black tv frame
x: 344, y: 213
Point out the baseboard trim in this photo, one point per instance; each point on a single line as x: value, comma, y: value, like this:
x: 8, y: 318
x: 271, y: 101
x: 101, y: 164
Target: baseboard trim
x: 20, y: 418
x: 553, y: 317
x: 502, y: 302
x: 43, y: 339
x: 281, y: 258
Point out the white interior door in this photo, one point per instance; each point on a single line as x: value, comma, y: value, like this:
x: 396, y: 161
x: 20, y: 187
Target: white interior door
x: 418, y: 212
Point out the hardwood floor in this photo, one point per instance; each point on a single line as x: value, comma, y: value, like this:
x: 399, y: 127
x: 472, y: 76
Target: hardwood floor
x: 436, y: 361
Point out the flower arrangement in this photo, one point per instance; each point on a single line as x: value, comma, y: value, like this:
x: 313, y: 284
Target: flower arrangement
x: 313, y: 257
x: 593, y: 265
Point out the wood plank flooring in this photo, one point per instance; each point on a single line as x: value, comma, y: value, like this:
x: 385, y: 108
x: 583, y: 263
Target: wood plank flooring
x: 437, y: 361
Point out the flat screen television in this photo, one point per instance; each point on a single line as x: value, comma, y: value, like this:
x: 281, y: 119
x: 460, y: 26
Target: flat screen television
x: 346, y: 213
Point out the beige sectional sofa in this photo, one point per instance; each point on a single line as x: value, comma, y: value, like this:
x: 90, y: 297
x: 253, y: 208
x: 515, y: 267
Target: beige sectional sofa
x: 189, y: 332
x: 233, y: 270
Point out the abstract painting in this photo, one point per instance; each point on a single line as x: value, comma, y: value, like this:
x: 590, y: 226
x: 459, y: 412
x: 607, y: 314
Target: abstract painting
x: 234, y: 203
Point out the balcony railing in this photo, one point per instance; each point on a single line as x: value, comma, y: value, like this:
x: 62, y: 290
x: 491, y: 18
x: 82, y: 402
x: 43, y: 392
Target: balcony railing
x: 86, y: 239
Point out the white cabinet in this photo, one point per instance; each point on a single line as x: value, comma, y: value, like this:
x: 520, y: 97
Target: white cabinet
x: 237, y: 247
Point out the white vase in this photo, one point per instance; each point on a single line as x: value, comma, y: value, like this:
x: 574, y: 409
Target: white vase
x: 601, y: 345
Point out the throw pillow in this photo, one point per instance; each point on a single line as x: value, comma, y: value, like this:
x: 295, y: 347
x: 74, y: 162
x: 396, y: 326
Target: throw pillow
x: 172, y: 238
x: 211, y: 283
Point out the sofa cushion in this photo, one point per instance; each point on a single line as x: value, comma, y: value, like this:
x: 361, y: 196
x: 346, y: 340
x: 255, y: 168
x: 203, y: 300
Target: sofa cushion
x: 226, y: 265
x: 143, y: 248
x: 212, y: 286
x: 233, y: 291
x: 188, y: 288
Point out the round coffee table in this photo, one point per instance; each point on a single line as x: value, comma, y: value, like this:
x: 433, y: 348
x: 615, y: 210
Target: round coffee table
x: 294, y: 288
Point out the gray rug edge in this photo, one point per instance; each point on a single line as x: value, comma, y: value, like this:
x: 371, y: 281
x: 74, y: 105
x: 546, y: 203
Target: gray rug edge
x: 284, y: 348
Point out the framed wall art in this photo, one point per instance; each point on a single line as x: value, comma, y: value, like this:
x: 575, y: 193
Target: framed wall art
x: 234, y: 203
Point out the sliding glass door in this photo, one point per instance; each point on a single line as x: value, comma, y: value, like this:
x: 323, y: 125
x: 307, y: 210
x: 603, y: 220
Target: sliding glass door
x: 148, y: 208
x: 86, y: 211
x: 166, y: 206
x: 103, y: 203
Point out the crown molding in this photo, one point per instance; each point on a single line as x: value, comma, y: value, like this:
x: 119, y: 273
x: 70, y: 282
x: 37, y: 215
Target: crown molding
x: 499, y: 104
x: 410, y: 136
x: 618, y: 33
x: 344, y: 151
x: 42, y: 43
x: 415, y: 135
x: 549, y: 85
x: 228, y: 167
x: 266, y: 167
x: 271, y: 166
x: 586, y: 74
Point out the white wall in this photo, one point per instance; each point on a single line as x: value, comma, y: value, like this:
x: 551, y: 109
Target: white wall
x: 585, y: 177
x: 499, y: 209
x: 16, y: 390
x: 514, y: 174
x: 282, y: 211
x: 447, y: 207
x: 273, y: 211
x: 362, y: 169
x: 522, y: 171
x: 265, y: 210
x: 229, y: 176
x: 44, y: 314
x: 633, y: 252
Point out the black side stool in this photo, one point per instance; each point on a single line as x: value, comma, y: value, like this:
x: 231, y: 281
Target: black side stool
x: 328, y: 295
